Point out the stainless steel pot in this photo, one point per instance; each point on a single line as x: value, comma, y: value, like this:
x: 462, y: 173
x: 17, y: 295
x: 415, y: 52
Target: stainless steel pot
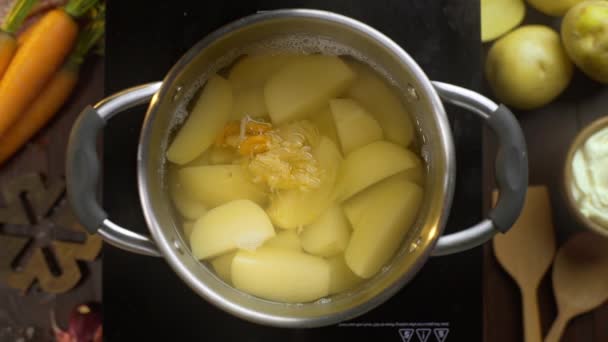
x: 423, y: 101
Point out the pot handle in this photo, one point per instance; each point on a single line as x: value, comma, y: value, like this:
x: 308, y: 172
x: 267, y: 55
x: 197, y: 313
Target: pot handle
x: 82, y: 169
x: 511, y: 169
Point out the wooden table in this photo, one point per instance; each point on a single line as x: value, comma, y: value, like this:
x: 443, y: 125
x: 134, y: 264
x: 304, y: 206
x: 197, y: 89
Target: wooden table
x: 549, y: 132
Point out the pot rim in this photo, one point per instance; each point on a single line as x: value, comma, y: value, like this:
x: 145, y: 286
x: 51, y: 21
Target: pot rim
x: 169, y: 250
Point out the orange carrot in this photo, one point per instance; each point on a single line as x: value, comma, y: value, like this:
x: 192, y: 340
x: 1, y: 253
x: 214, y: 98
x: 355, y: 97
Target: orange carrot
x: 253, y: 145
x: 8, y: 46
x: 36, y: 116
x: 52, y: 97
x: 25, y: 34
x: 12, y: 22
x: 38, y: 59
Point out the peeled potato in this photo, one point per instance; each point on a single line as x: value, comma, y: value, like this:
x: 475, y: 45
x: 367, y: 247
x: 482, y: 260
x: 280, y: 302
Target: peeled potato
x: 222, y: 265
x: 294, y: 208
x: 355, y: 126
x: 416, y: 175
x: 341, y: 278
x: 500, y: 16
x: 188, y: 207
x: 249, y: 101
x: 217, y: 184
x: 324, y: 122
x: 287, y: 239
x: 305, y: 85
x: 202, y: 159
x: 188, y: 226
x: 281, y: 275
x: 372, y: 163
x: 380, y: 216
x: 237, y: 224
x: 328, y: 235
x: 383, y: 102
x: 210, y: 113
x: 255, y: 70
x: 356, y: 207
x: 218, y: 155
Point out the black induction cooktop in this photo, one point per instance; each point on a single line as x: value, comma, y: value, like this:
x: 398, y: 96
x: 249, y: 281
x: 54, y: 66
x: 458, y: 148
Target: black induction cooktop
x: 145, y: 301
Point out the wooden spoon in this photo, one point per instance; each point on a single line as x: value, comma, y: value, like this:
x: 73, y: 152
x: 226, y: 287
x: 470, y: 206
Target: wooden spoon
x: 580, y: 279
x: 526, y: 252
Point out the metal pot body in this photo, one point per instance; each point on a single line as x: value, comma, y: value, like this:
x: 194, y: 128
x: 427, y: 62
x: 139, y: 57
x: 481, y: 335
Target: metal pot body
x: 422, y: 99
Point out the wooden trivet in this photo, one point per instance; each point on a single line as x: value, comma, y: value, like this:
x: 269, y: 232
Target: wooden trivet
x: 41, y: 240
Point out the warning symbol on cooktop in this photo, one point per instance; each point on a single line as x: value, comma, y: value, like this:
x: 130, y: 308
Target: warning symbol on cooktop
x: 406, y: 334
x: 441, y: 334
x: 423, y: 334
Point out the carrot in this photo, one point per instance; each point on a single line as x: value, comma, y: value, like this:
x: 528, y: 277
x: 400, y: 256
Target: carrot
x: 12, y: 22
x: 25, y: 34
x: 38, y: 59
x: 54, y: 94
x: 253, y: 145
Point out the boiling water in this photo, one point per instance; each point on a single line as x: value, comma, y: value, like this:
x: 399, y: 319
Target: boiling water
x: 301, y: 45
x: 294, y: 44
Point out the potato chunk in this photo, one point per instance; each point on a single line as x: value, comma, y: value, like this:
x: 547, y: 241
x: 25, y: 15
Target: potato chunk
x: 218, y: 155
x: 355, y: 126
x: 291, y: 209
x: 341, y: 278
x: 382, y: 101
x: 209, y: 115
x: 328, y: 235
x: 188, y: 227
x: 254, y: 70
x: 222, y: 265
x: 380, y: 216
x: 217, y: 184
x: 304, y: 86
x: 372, y: 163
x: 249, y: 101
x: 324, y: 121
x: 236, y: 224
x: 248, y: 77
x: 281, y: 275
x: 187, y: 207
x: 287, y: 239
x: 417, y: 174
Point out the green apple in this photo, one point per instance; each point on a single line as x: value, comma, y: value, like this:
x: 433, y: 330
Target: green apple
x: 528, y: 67
x: 499, y: 17
x: 555, y: 8
x: 585, y: 37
